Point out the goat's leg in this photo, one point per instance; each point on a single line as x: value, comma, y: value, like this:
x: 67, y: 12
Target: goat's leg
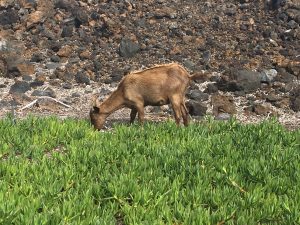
x: 185, y: 114
x: 133, y: 115
x: 175, y: 102
x: 140, y: 109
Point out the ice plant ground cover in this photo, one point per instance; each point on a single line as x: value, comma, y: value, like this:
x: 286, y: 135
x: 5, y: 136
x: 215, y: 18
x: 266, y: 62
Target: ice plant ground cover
x: 56, y: 171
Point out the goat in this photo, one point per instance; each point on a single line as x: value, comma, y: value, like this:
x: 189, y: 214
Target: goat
x: 156, y: 86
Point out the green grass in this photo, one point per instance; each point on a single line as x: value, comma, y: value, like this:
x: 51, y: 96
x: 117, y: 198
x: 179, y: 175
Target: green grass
x: 64, y: 172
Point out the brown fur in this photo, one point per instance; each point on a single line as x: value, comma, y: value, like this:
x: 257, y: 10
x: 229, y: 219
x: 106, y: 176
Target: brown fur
x: 156, y: 86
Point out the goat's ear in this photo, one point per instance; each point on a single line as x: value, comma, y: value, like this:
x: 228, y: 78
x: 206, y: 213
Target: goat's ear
x: 96, y: 109
x: 95, y: 100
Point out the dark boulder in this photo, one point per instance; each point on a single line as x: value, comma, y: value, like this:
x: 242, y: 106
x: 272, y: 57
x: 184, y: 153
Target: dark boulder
x: 20, y: 87
x: 128, y: 48
x: 196, y: 108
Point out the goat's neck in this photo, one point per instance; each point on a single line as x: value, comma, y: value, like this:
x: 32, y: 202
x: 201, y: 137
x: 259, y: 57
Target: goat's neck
x: 114, y: 102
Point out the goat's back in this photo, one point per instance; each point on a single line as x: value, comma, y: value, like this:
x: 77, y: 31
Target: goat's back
x: 156, y: 84
x: 164, y: 76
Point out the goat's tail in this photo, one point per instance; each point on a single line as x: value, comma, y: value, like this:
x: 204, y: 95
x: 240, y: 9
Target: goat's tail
x: 200, y: 76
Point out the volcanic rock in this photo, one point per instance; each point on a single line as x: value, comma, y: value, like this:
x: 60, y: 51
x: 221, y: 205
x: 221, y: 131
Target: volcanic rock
x: 128, y: 48
x: 222, y: 104
x: 196, y: 108
x: 20, y: 87
x: 48, y: 92
x: 198, y: 95
x: 240, y: 80
x: 295, y: 99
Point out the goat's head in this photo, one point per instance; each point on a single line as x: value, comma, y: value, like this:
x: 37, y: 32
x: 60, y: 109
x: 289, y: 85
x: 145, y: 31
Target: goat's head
x: 97, y: 118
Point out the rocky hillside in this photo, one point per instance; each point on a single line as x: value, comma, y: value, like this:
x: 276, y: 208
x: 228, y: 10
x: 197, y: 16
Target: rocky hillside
x: 68, y: 50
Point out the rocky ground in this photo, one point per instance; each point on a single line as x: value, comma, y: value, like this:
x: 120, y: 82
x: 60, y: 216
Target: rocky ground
x: 57, y: 54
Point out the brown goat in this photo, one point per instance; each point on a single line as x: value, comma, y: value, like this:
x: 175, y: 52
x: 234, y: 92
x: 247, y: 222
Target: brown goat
x: 156, y: 86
